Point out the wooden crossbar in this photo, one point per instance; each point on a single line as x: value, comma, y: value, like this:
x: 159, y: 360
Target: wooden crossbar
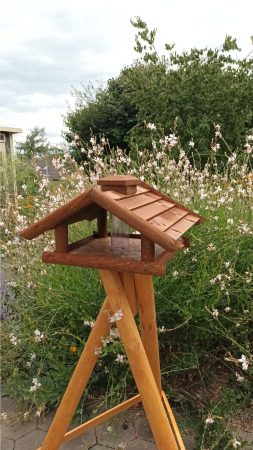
x: 99, y: 419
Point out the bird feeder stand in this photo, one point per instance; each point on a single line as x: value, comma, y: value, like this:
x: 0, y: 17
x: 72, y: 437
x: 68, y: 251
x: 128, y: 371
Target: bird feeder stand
x: 126, y: 272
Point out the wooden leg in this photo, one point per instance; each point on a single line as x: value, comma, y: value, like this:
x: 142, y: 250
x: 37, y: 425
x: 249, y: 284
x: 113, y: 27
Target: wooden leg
x: 146, y: 307
x: 173, y: 423
x: 78, y: 382
x: 138, y: 361
x: 129, y: 287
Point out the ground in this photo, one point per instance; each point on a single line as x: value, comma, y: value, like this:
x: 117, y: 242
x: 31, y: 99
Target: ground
x: 129, y: 430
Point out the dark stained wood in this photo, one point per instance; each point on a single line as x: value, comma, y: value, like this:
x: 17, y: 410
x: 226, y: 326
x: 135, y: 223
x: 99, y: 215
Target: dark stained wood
x: 167, y: 219
x: 154, y: 209
x: 135, y: 202
x: 119, y: 180
x: 147, y: 249
x: 82, y: 242
x: 102, y: 223
x: 100, y: 262
x: 129, y: 217
x: 61, y: 238
x: 201, y: 219
x: 118, y: 196
x: 89, y: 213
x: 58, y: 216
x: 127, y: 190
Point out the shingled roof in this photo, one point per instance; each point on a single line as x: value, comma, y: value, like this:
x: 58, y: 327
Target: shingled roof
x: 153, y: 214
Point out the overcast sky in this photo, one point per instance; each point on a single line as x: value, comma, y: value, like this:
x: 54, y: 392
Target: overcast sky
x: 48, y: 46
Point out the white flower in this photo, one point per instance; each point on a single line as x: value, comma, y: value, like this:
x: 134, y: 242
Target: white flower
x: 98, y: 351
x: 245, y: 362
x: 116, y: 317
x: 36, y: 385
x: 227, y: 264
x: 227, y: 309
x: 175, y: 274
x: 210, y: 247
x: 239, y: 377
x: 106, y: 370
x: 245, y: 311
x: 38, y: 336
x: 151, y: 126
x: 209, y: 420
x: 191, y: 143
x: 26, y: 414
x: 38, y: 413
x: 215, y: 312
x: 24, y: 187
x: 236, y: 443
x: 216, y: 218
x: 4, y: 416
x: 109, y: 429
x: 120, y: 358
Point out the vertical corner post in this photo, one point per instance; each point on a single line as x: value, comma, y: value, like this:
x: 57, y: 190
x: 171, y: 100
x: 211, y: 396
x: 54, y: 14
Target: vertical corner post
x: 61, y: 238
x: 147, y: 249
x: 102, y: 223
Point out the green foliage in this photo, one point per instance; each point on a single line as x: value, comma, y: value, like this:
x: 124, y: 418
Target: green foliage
x: 204, y: 304
x: 35, y: 143
x: 200, y: 88
x: 105, y: 110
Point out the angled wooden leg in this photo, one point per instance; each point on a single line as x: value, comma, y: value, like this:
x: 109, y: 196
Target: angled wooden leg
x: 138, y: 361
x: 147, y: 314
x: 78, y: 382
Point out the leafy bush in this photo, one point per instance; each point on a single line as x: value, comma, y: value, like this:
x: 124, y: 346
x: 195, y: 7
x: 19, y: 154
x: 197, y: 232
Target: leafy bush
x: 204, y: 304
x: 199, y: 88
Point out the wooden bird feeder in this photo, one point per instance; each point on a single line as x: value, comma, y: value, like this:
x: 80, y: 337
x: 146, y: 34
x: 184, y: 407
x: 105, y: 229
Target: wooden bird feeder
x: 126, y: 263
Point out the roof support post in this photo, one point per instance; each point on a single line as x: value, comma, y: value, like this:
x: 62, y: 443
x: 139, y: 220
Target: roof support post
x: 147, y: 249
x: 61, y: 238
x: 102, y: 223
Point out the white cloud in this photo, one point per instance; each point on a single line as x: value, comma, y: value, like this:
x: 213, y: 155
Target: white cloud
x: 49, y: 46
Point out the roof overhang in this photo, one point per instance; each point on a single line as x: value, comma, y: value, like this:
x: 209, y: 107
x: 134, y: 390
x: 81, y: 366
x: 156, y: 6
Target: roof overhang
x: 11, y: 130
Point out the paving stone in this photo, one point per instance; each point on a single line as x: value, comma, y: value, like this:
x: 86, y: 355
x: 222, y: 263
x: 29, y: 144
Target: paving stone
x: 139, y: 444
x: 143, y: 429
x: 83, y: 442
x: 122, y: 432
x: 8, y: 406
x: 7, y: 444
x: 48, y: 419
x: 31, y: 441
x: 189, y: 442
x: 18, y: 430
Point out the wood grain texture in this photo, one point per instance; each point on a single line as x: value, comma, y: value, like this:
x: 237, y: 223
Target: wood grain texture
x: 61, y: 238
x: 57, y: 216
x: 119, y: 180
x: 89, y: 213
x: 82, y: 242
x: 99, y: 262
x: 126, y: 190
x: 167, y: 219
x: 118, y: 195
x: 154, y: 209
x: 134, y: 221
x: 102, y: 223
x: 165, y: 197
x: 173, y: 422
x: 77, y: 382
x: 127, y: 280
x: 147, y: 315
x: 135, y: 202
x: 139, y: 363
x: 78, y: 431
x: 147, y: 249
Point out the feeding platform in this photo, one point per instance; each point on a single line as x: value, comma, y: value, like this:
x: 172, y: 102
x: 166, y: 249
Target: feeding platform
x: 126, y: 262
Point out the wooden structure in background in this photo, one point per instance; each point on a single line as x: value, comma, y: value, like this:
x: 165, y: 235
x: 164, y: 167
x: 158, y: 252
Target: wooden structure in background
x: 127, y: 279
